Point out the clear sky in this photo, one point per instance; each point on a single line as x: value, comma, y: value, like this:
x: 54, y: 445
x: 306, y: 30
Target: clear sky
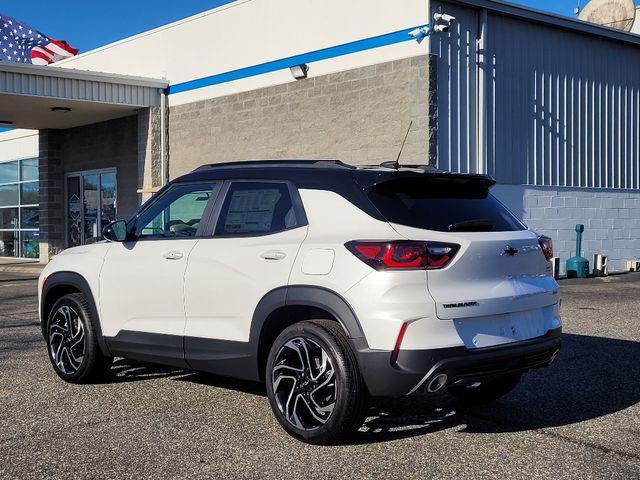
x: 87, y: 24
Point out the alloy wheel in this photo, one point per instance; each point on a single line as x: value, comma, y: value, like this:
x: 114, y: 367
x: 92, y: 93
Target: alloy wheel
x: 304, y: 384
x: 67, y: 340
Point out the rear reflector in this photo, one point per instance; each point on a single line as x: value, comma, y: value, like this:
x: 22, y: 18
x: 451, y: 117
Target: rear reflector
x: 404, y: 255
x: 547, y: 246
x: 396, y: 349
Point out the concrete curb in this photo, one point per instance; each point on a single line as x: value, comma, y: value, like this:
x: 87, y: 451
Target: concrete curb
x: 23, y: 268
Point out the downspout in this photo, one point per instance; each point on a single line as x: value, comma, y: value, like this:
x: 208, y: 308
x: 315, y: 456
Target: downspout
x: 481, y: 140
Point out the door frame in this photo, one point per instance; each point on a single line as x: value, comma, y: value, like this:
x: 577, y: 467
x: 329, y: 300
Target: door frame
x: 81, y: 173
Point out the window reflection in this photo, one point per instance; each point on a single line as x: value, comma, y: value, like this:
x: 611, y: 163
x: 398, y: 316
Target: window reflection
x: 19, y: 211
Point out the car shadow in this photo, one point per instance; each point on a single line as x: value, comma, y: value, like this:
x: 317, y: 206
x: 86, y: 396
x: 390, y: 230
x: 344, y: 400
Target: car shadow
x: 591, y: 377
x: 126, y: 370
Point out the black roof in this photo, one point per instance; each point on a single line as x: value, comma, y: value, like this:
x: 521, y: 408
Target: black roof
x: 321, y: 174
x: 349, y: 181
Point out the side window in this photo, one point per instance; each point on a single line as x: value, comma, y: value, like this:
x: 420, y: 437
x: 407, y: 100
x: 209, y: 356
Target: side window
x: 257, y: 208
x: 177, y: 213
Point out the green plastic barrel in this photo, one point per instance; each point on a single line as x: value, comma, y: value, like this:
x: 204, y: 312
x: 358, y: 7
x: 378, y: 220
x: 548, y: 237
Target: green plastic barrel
x: 578, y: 266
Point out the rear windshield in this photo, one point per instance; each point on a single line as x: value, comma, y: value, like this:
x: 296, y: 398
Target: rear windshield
x: 443, y: 204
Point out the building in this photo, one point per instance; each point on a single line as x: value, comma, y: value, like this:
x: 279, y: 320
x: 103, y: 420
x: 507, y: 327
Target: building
x: 548, y: 105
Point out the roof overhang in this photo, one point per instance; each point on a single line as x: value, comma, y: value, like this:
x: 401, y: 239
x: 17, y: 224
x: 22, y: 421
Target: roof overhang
x: 39, y: 97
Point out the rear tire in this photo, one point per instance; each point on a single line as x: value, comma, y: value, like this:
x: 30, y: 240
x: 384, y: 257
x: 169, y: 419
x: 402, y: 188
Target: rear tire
x: 72, y: 342
x: 488, y: 391
x: 313, y: 382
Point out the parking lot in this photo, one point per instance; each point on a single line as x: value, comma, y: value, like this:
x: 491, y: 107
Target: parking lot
x: 578, y: 419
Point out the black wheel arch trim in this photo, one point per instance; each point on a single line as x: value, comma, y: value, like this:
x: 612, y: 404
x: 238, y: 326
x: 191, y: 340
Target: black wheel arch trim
x: 309, y: 296
x: 78, y: 282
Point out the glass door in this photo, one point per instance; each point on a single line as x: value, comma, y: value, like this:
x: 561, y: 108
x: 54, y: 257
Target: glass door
x: 91, y: 205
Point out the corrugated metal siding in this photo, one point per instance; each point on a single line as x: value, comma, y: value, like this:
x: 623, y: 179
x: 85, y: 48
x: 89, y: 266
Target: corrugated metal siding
x: 77, y: 89
x: 563, y: 108
x: 457, y: 91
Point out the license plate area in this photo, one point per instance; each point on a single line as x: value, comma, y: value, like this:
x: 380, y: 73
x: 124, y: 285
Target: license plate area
x: 489, y: 331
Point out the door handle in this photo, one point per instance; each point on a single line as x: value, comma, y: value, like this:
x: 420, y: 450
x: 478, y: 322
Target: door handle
x: 173, y: 255
x: 273, y: 255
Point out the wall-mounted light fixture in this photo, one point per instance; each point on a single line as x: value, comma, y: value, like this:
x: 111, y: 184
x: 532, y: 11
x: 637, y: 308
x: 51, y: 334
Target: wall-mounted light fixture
x: 299, y: 71
x: 61, y: 109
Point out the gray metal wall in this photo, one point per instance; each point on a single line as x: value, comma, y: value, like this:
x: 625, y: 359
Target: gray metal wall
x: 562, y: 107
x: 457, y: 90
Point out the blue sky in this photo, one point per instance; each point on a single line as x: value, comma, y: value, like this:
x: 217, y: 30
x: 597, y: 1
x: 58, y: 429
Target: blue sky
x: 90, y: 24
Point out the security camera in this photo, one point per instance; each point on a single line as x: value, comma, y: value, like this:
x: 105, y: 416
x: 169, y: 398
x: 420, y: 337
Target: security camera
x: 443, y: 17
x: 440, y: 28
x: 419, y: 34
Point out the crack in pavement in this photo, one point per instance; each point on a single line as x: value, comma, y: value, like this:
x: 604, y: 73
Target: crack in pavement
x: 553, y: 434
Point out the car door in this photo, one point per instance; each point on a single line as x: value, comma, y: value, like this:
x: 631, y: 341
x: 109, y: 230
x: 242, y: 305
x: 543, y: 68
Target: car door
x: 259, y: 229
x: 141, y: 281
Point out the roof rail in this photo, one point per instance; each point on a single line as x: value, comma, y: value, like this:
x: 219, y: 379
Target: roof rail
x: 276, y: 163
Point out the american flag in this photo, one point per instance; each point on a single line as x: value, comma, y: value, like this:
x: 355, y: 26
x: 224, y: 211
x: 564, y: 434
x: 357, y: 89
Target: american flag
x: 22, y: 44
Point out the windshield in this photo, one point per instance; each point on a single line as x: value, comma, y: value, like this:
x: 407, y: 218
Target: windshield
x: 443, y: 204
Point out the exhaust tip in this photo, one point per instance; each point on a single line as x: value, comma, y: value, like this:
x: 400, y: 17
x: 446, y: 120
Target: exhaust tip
x: 437, y: 383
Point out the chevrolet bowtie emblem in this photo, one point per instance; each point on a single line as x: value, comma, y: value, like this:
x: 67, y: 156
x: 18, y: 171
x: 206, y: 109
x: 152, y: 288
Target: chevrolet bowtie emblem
x: 510, y: 251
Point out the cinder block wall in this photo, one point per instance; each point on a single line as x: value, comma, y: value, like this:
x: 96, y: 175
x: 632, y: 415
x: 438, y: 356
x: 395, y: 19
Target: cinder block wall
x: 611, y: 219
x: 112, y: 144
x: 359, y: 116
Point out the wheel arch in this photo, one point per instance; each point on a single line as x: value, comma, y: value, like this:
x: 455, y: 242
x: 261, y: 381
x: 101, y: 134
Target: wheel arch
x: 285, y: 306
x: 59, y: 284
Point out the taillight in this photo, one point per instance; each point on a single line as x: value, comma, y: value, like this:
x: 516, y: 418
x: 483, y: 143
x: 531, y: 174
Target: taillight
x: 404, y: 255
x: 547, y: 246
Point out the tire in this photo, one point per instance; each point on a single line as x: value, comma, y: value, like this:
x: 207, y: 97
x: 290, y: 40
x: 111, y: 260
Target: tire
x: 332, y: 385
x: 488, y: 391
x: 72, y: 343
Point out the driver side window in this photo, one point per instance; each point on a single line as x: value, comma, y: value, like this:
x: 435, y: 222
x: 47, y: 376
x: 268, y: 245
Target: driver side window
x: 177, y: 213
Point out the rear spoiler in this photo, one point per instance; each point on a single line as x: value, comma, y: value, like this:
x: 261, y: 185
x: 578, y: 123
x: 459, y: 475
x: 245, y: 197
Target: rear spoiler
x: 484, y: 182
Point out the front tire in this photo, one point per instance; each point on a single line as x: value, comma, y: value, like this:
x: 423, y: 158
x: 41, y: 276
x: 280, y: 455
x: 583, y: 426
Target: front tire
x: 72, y: 342
x: 313, y: 382
x: 486, y: 392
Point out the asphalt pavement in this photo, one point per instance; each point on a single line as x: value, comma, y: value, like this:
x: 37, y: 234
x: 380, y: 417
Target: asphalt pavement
x: 580, y: 418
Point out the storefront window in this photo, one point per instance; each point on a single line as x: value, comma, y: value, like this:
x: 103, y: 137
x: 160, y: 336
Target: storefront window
x: 29, y: 193
x: 8, y: 172
x: 19, y: 211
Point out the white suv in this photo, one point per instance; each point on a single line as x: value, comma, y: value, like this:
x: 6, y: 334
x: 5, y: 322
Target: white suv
x: 328, y: 282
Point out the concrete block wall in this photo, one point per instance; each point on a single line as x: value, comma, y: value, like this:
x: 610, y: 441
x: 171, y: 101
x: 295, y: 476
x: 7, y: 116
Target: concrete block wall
x: 359, y: 116
x: 111, y: 144
x: 611, y: 219
x: 52, y: 223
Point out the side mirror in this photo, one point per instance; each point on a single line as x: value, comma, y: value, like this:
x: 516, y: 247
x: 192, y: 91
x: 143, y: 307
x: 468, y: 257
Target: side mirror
x: 115, y: 231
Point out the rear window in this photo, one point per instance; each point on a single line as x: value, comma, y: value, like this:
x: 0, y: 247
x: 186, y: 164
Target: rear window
x: 443, y: 204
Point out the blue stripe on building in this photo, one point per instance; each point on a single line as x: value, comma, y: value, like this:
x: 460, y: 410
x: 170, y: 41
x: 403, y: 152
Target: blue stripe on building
x: 309, y: 57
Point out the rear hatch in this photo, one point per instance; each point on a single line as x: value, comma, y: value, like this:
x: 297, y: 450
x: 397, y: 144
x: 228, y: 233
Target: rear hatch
x: 498, y: 287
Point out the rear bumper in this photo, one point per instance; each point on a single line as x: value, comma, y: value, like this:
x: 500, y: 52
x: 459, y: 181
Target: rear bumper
x: 416, y: 369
